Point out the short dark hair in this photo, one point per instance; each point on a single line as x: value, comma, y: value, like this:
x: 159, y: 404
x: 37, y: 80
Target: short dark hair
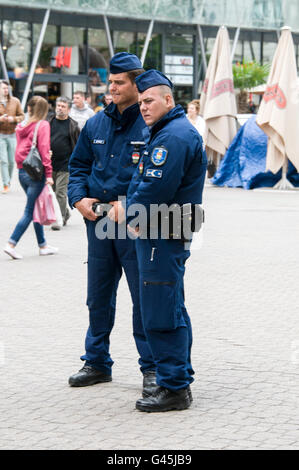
x: 64, y: 99
x: 132, y: 74
x: 81, y: 93
x: 5, y: 82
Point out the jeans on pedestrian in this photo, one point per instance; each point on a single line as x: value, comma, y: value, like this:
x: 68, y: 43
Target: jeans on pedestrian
x: 7, y: 157
x: 32, y: 190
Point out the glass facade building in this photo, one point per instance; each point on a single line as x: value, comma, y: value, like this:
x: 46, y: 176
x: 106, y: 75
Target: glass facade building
x: 75, y: 43
x: 269, y: 14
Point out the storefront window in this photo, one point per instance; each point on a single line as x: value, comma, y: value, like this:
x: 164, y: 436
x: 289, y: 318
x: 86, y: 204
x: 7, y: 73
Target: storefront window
x: 45, y: 61
x: 247, y: 51
x: 98, y: 57
x: 179, y: 44
x: 269, y: 49
x: 98, y: 54
x: 73, y: 40
x: 179, y: 66
x: 124, y: 42
x: 17, y: 47
x: 153, y: 58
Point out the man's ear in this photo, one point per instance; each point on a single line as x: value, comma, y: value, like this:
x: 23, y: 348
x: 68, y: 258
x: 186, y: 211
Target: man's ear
x: 168, y: 100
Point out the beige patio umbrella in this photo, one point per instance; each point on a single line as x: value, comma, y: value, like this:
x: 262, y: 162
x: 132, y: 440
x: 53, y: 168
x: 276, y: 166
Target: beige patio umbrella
x: 218, y: 102
x: 278, y: 115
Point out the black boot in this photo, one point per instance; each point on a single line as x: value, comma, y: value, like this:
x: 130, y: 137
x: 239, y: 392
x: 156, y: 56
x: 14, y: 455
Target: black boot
x: 88, y: 376
x: 165, y: 400
x: 189, y: 393
x: 149, y: 383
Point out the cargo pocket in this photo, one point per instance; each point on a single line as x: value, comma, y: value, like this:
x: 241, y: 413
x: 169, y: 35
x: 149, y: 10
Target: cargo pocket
x: 160, y: 309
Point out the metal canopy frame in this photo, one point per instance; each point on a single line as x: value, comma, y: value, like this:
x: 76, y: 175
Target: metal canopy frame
x: 3, y: 64
x: 108, y: 35
x: 203, y: 50
x: 35, y: 59
x: 149, y: 32
x: 59, y: 78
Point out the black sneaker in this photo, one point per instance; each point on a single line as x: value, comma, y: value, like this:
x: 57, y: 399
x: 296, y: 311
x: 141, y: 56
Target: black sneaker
x: 88, y: 376
x: 165, y: 400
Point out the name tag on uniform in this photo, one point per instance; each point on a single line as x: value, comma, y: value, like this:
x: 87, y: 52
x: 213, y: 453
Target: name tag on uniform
x: 154, y: 173
x: 137, y: 143
x: 99, y: 141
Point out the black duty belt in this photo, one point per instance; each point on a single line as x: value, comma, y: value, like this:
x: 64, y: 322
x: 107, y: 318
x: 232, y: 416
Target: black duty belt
x: 179, y: 222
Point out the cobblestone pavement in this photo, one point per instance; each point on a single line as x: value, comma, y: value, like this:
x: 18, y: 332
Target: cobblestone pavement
x: 242, y: 296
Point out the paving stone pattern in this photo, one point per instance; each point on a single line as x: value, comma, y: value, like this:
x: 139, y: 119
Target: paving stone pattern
x: 242, y: 295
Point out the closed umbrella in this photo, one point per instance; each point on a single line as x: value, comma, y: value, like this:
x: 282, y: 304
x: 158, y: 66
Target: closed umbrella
x: 218, y: 101
x: 278, y: 115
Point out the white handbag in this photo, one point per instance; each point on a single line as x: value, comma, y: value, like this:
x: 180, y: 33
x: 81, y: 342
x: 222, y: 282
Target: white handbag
x: 59, y: 219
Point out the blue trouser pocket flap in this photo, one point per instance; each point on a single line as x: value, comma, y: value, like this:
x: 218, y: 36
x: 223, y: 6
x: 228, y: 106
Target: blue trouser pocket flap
x: 159, y: 300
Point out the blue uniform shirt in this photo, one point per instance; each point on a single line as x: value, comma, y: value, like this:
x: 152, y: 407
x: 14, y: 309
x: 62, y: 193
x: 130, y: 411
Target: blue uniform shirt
x: 102, y: 164
x: 173, y: 166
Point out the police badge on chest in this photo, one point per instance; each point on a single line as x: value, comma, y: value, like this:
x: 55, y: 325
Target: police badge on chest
x: 136, y: 152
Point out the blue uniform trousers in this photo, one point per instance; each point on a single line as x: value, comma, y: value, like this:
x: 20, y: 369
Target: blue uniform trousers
x: 106, y: 258
x: 165, y: 318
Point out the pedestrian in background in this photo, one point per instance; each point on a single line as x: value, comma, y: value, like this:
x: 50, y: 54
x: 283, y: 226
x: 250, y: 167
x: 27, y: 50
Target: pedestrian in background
x: 107, y: 99
x: 11, y: 114
x: 193, y: 115
x: 80, y: 110
x: 64, y: 136
x: 37, y: 111
x: 103, y: 103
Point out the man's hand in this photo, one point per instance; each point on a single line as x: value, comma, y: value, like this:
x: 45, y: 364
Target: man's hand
x: 133, y: 231
x: 85, y: 208
x: 117, y: 212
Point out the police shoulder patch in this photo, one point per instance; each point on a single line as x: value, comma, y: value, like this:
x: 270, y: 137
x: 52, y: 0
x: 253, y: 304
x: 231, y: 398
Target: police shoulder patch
x: 159, y: 156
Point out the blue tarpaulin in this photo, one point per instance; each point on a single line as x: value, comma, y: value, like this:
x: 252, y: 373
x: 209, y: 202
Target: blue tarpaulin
x: 243, y: 165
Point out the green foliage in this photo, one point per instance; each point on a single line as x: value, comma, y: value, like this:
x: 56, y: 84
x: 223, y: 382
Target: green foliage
x: 250, y: 74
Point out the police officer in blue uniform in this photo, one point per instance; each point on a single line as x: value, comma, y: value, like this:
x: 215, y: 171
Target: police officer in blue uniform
x: 171, y: 171
x: 101, y: 167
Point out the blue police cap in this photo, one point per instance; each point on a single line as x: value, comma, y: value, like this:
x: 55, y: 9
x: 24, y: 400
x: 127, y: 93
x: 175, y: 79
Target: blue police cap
x: 124, y: 62
x: 151, y: 78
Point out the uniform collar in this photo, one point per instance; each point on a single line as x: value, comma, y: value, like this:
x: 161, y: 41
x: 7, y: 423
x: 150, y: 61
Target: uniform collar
x: 130, y: 114
x: 174, y: 113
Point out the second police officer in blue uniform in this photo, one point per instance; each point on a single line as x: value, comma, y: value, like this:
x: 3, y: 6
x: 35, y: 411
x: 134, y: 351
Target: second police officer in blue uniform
x: 171, y: 171
x: 101, y: 167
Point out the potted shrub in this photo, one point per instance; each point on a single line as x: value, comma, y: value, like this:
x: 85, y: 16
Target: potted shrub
x: 248, y: 75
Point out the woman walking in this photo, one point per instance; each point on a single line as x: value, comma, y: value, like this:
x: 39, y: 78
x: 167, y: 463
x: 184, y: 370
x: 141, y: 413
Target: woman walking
x: 194, y: 117
x: 37, y: 110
